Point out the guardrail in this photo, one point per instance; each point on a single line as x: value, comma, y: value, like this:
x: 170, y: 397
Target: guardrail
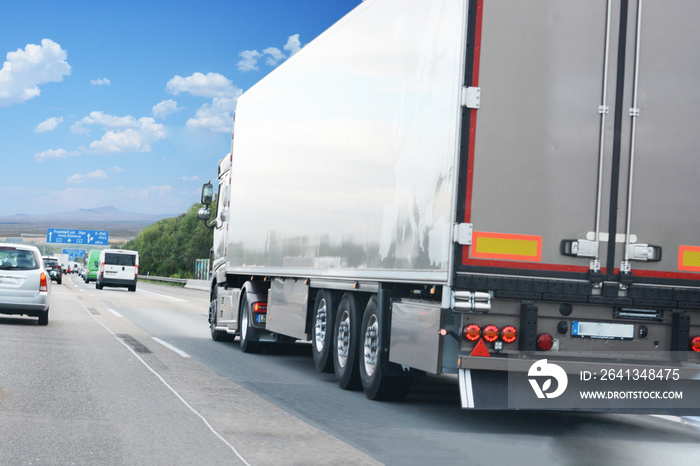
x: 163, y: 279
x: 204, y: 285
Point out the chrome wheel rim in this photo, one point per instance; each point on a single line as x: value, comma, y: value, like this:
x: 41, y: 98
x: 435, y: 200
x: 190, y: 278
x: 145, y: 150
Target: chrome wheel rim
x: 371, y: 345
x: 244, y: 324
x: 320, y: 326
x: 343, y: 342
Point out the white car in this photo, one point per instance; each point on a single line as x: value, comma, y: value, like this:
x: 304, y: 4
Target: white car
x: 25, y: 287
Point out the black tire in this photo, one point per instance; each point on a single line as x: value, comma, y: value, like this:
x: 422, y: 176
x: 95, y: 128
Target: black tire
x: 249, y: 343
x: 44, y: 318
x: 98, y: 285
x: 322, y: 331
x: 132, y: 288
x: 346, y: 343
x: 59, y: 281
x: 216, y: 335
x: 374, y: 364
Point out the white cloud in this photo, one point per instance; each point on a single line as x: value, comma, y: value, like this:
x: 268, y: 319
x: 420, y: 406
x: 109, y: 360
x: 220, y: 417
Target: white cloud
x: 293, y: 45
x: 216, y: 117
x: 101, y: 82
x: 189, y: 178
x: 125, y: 134
x: 24, y: 70
x: 250, y: 60
x: 54, y: 154
x: 78, y: 178
x: 208, y: 85
x: 165, y: 108
x: 48, y: 125
x: 273, y: 55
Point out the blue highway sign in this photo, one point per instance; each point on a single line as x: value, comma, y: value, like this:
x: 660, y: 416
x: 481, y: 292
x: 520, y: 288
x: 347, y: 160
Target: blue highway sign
x: 74, y: 253
x: 87, y: 237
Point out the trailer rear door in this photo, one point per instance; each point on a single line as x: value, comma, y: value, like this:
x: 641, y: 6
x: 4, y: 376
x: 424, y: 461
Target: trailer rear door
x: 581, y: 141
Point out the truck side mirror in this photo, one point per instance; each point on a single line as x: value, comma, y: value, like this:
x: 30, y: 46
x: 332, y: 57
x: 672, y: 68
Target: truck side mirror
x: 207, y: 195
x: 203, y: 214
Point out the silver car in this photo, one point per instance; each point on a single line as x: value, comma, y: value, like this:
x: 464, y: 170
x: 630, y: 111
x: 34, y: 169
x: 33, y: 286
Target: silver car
x: 25, y: 287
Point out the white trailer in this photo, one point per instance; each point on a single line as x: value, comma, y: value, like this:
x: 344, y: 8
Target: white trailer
x: 472, y: 187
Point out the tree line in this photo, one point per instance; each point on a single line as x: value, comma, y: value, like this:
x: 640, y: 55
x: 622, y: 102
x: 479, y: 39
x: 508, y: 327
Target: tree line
x: 169, y: 247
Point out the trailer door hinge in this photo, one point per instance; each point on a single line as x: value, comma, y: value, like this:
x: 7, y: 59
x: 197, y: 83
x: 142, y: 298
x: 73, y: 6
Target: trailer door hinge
x: 471, y: 97
x: 463, y: 233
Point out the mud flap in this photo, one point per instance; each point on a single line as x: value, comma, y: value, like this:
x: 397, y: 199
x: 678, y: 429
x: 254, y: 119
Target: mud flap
x: 481, y: 389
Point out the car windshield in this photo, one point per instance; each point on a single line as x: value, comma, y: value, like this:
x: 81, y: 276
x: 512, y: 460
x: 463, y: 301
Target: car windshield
x: 19, y: 259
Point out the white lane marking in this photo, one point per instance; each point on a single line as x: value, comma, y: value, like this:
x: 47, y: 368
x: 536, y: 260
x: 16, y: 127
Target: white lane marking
x: 172, y: 390
x: 114, y: 312
x: 163, y: 296
x: 171, y: 347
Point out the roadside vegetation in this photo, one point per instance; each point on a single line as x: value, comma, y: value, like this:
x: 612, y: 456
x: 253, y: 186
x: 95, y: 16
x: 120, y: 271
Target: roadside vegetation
x: 169, y: 247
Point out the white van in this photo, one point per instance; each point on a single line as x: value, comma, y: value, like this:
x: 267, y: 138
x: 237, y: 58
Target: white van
x: 118, y: 267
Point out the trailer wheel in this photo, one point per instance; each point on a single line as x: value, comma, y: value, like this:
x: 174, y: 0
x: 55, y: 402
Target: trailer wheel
x: 216, y: 335
x: 374, y: 366
x: 347, y: 343
x: 248, y: 333
x: 322, y: 331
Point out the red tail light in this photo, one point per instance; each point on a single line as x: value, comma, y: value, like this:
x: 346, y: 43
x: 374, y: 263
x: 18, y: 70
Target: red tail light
x: 43, y: 283
x: 136, y: 272
x: 544, y: 342
x: 472, y: 332
x: 695, y: 344
x: 260, y: 307
x: 491, y: 333
x: 509, y: 334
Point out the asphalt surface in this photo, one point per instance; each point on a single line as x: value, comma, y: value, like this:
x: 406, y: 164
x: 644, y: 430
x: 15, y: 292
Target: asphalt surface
x: 134, y: 378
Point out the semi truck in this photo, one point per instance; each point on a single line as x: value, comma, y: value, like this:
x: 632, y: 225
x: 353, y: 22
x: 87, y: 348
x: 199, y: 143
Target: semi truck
x: 500, y: 192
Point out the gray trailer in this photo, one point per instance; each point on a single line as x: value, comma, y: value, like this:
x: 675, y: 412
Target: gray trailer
x: 505, y: 191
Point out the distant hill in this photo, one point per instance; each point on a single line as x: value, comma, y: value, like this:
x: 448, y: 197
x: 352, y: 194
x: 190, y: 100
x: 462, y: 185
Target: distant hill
x: 119, y: 223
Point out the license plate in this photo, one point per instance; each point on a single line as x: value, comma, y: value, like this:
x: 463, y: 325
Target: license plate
x: 602, y: 330
x: 261, y: 318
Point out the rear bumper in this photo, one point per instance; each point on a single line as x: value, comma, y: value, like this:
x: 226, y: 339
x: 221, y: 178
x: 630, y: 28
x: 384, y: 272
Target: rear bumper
x: 567, y: 385
x: 29, y: 306
x: 106, y: 281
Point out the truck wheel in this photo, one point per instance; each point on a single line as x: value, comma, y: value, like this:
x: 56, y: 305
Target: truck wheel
x: 347, y: 343
x: 216, y: 335
x: 374, y: 366
x: 322, y: 331
x: 248, y: 333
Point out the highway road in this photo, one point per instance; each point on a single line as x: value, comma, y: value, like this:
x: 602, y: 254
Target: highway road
x: 134, y: 378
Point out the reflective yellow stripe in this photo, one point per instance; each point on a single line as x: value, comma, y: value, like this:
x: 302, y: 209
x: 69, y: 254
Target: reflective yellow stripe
x: 689, y: 258
x: 506, y: 246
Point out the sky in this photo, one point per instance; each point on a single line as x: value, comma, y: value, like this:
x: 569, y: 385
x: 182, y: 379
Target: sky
x: 130, y: 103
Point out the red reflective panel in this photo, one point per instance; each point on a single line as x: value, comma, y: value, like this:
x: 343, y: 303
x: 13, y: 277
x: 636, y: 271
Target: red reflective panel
x: 544, y: 341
